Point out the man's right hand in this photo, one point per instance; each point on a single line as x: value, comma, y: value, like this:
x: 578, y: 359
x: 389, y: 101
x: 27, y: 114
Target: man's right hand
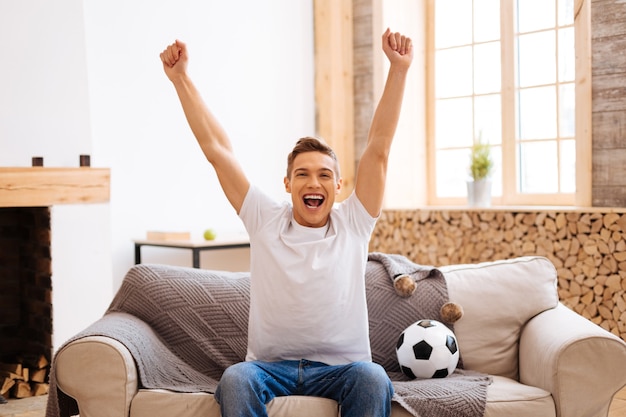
x: 174, y: 59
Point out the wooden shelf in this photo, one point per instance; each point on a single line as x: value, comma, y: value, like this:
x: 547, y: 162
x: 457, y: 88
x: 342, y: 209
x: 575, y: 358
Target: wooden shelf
x: 40, y: 186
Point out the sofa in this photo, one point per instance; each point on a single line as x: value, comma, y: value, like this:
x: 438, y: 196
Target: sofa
x: 542, y: 358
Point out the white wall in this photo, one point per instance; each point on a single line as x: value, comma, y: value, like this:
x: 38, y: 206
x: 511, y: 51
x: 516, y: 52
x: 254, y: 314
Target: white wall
x: 84, y: 77
x: 44, y: 103
x: 253, y: 63
x: 406, y: 179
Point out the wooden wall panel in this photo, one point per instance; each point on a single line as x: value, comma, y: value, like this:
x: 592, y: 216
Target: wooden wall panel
x: 612, y: 125
x: 608, y: 45
x: 334, y: 90
x: 364, y: 104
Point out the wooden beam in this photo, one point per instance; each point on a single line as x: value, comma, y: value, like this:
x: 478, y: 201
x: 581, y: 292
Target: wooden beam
x: 509, y: 137
x: 584, y: 98
x: 429, y: 88
x: 334, y: 83
x: 41, y: 187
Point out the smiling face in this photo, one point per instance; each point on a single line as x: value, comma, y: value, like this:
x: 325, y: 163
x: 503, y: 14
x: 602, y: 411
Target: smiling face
x: 313, y: 185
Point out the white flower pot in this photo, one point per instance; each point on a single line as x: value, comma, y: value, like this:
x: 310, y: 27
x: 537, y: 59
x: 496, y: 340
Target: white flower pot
x: 479, y: 193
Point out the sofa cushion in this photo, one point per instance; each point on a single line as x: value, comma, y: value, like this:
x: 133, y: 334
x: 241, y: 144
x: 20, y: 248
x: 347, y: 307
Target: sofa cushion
x: 505, y: 397
x: 148, y: 403
x: 498, y: 298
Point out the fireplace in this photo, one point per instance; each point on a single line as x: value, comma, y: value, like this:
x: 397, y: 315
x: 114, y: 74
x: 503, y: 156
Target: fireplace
x: 25, y: 283
x: 28, y: 281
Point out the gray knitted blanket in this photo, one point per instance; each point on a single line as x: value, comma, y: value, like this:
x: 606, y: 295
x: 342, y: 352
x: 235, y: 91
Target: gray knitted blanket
x: 185, y: 326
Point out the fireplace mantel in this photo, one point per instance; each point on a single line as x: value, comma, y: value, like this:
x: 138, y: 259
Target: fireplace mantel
x: 39, y: 186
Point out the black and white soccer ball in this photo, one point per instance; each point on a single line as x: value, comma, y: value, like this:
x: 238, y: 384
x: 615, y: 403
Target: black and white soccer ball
x: 427, y: 349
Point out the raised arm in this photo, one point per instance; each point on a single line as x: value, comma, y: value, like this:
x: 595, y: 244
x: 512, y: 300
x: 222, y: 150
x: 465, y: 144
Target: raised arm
x: 372, y: 170
x: 211, y: 137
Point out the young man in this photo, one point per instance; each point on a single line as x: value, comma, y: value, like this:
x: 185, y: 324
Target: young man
x: 308, y: 330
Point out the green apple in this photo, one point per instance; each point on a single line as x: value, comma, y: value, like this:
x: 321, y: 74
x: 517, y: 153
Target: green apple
x: 209, y: 234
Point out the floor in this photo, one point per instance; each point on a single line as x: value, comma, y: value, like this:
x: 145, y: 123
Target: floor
x: 25, y: 407
x: 35, y: 406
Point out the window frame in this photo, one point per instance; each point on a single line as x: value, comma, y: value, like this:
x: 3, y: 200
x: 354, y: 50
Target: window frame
x: 510, y: 195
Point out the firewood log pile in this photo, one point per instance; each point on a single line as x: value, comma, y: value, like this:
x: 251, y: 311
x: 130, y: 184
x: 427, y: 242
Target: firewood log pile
x: 588, y: 249
x: 24, y: 378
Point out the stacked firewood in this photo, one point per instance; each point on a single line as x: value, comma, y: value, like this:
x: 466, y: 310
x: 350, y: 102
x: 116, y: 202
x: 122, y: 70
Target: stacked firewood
x: 24, y: 378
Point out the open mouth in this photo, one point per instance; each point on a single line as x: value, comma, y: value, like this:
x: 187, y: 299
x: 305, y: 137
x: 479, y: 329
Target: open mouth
x: 313, y: 200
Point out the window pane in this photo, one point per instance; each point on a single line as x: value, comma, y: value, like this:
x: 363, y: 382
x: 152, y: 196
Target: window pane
x: 536, y: 58
x: 568, y: 166
x: 538, y: 163
x: 537, y: 113
x: 486, y: 20
x: 566, y: 12
x: 496, y: 178
x: 452, y: 173
x: 567, y: 110
x: 453, y: 122
x: 567, y: 55
x: 488, y: 118
x: 487, y: 78
x: 454, y: 72
x: 452, y: 26
x: 535, y: 15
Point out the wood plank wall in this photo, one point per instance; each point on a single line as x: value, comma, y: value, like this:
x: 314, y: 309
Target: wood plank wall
x: 608, y: 50
x: 364, y: 73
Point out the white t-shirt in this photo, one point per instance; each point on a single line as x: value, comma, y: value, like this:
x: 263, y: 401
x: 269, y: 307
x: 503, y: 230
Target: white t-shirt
x: 307, y: 296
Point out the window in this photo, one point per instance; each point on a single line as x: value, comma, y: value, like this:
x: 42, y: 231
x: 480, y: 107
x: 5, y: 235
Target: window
x: 504, y: 72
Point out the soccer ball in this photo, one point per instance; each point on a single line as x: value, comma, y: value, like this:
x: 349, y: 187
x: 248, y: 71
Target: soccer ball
x: 427, y: 349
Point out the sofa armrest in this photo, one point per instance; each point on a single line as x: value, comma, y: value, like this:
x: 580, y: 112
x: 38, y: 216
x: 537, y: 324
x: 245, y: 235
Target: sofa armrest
x: 581, y: 364
x: 99, y: 373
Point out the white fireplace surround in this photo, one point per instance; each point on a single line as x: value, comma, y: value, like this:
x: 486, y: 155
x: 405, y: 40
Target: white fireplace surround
x: 81, y: 267
x: 80, y: 239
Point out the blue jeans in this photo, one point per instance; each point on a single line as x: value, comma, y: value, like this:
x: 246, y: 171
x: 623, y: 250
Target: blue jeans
x: 362, y: 389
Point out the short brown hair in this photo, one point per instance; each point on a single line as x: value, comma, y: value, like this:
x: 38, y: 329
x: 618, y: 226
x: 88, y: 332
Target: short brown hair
x: 311, y: 144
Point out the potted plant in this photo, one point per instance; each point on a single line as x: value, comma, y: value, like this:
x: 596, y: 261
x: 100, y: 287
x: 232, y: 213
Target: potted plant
x: 481, y: 167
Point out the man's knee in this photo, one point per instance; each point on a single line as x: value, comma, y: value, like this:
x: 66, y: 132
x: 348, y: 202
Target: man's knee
x: 370, y: 370
x: 235, y: 381
x: 236, y: 375
x: 368, y: 391
x: 238, y: 392
x: 240, y: 369
x: 372, y: 376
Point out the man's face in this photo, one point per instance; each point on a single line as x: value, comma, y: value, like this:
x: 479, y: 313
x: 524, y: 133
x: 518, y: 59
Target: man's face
x: 313, y: 186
